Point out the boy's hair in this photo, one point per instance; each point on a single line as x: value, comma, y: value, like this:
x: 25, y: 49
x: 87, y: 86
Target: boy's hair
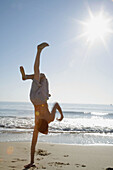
x: 42, y: 126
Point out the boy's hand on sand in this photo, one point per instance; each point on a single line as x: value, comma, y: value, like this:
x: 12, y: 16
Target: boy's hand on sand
x: 29, y: 166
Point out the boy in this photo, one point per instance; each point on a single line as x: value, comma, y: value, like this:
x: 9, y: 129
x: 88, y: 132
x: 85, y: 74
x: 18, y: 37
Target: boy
x: 39, y: 95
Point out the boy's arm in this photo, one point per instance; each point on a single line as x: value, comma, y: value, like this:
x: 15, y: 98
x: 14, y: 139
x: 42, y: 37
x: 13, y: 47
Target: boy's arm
x: 34, y: 141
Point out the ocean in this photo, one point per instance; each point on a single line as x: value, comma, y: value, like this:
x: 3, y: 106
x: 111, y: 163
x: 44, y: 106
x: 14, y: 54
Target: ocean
x: 83, y: 124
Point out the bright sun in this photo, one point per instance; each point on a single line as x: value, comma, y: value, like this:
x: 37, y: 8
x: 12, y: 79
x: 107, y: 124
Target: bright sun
x: 97, y: 27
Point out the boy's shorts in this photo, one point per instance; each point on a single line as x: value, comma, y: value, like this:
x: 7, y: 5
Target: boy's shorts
x: 39, y: 92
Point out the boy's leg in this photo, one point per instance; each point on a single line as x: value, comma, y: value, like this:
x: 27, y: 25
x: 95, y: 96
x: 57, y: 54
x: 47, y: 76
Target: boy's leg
x: 37, y: 61
x: 36, y: 74
x: 53, y: 112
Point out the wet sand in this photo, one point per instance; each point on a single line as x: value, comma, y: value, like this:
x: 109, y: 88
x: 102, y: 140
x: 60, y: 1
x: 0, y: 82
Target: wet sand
x: 14, y: 155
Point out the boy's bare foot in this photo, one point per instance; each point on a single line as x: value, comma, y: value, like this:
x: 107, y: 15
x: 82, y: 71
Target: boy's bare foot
x: 22, y: 72
x: 42, y: 45
x: 60, y: 119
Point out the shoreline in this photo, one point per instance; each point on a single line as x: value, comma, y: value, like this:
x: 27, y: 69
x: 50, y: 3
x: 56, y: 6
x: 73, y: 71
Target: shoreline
x: 14, y: 155
x: 51, y: 143
x: 63, y: 138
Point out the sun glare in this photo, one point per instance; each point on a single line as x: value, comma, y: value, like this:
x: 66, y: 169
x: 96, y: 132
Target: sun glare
x: 97, y: 27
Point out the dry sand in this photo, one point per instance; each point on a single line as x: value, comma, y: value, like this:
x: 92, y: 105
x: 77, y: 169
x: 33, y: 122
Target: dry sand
x: 14, y: 155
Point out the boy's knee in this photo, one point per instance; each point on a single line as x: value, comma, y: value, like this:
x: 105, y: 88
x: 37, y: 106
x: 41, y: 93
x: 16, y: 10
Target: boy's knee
x: 56, y: 104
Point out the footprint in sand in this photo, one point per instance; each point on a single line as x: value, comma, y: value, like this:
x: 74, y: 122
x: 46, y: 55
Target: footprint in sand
x: 39, y: 159
x: 78, y: 165
x: 13, y: 161
x: 42, y: 152
x: 12, y: 166
x: 43, y: 167
x: 58, y: 164
x: 66, y: 155
x: 18, y: 159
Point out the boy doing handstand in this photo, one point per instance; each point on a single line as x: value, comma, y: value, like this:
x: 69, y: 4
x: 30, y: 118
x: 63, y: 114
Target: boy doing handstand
x: 39, y: 95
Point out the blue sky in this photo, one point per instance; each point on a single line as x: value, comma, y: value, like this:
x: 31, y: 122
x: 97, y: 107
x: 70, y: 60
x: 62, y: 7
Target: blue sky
x: 77, y: 73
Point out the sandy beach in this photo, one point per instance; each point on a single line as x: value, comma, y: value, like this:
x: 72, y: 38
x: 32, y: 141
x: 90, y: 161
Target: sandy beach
x: 14, y: 155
